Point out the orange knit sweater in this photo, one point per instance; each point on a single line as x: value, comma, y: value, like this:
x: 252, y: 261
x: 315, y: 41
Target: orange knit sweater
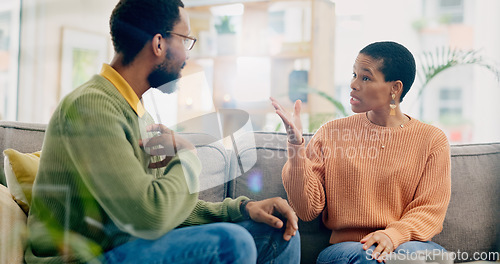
x: 365, y: 177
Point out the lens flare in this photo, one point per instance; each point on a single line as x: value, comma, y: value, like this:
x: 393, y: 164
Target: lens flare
x: 255, y: 181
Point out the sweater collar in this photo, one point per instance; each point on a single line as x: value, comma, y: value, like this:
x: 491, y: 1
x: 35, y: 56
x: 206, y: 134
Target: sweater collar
x: 124, y: 88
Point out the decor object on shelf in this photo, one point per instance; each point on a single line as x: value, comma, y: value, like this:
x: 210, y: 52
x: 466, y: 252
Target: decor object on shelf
x: 226, y: 36
x: 297, y: 83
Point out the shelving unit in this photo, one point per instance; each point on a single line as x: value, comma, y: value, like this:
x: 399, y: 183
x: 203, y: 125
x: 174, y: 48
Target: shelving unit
x: 272, y: 38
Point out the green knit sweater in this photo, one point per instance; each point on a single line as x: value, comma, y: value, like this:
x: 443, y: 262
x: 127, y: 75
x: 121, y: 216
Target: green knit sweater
x: 94, y: 190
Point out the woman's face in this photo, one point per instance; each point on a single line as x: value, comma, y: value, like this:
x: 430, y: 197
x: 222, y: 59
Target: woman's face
x: 370, y: 91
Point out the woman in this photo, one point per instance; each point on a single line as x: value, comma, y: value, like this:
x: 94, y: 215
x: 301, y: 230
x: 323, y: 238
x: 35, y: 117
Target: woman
x: 381, y: 178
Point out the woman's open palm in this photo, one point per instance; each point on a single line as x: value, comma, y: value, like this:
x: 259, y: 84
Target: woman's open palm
x: 292, y: 122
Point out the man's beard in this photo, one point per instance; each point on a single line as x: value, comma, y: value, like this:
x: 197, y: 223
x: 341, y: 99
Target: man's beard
x: 164, y: 77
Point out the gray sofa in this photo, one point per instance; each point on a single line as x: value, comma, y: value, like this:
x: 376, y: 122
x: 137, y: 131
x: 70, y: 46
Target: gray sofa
x: 471, y: 224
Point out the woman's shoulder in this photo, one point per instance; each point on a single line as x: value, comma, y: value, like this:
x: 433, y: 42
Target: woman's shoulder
x: 428, y: 129
x: 433, y: 134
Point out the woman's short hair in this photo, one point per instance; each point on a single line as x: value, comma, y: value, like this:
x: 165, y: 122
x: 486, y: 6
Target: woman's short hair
x: 397, y: 62
x: 134, y: 22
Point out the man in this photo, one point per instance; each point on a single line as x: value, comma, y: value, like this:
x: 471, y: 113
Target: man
x: 99, y: 197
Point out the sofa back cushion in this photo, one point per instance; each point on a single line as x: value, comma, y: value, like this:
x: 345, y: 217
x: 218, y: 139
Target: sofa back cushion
x: 268, y: 151
x: 28, y: 137
x: 471, y: 224
x: 215, y: 163
x: 23, y: 137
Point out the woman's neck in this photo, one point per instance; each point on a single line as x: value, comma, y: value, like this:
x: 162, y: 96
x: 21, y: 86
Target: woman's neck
x: 385, y: 120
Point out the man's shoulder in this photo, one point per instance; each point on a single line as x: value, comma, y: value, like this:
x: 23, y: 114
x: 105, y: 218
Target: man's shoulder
x: 94, y: 100
x: 97, y: 86
x: 97, y: 92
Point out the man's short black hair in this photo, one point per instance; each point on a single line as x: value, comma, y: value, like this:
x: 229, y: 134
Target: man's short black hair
x: 134, y: 22
x: 397, y: 62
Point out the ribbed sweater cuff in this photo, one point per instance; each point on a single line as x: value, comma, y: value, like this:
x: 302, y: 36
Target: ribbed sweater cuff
x: 396, y: 237
x: 296, y: 152
x: 233, y: 209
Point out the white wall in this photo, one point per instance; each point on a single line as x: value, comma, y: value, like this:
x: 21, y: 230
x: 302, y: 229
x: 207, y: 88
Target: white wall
x: 40, y: 52
x: 486, y: 88
x: 360, y: 22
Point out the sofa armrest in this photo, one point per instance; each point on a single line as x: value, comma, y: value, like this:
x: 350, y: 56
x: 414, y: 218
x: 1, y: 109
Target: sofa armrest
x: 12, y: 229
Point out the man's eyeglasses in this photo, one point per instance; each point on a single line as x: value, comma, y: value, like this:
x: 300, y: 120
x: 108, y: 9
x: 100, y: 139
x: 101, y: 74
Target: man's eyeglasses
x: 188, y: 40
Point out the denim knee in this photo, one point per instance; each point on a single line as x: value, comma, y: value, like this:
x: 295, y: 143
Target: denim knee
x: 235, y: 243
x: 414, y: 246
x: 271, y: 247
x: 346, y: 253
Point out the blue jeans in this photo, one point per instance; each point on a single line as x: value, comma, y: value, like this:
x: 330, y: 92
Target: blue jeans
x: 243, y: 242
x: 353, y: 252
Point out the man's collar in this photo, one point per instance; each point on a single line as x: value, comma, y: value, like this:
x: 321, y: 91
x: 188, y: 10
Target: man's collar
x: 124, y: 88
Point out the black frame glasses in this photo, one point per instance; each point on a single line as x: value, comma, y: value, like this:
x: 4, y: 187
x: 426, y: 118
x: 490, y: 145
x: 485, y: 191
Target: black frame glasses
x: 188, y: 40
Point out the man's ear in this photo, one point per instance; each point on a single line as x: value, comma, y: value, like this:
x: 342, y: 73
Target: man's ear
x: 158, y: 45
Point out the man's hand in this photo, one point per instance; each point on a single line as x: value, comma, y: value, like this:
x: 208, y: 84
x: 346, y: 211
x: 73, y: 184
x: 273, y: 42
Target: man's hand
x: 293, y: 123
x: 384, y: 245
x: 263, y: 212
x: 167, y: 143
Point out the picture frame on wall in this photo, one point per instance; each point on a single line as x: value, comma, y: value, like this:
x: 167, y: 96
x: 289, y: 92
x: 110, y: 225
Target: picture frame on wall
x: 82, y: 55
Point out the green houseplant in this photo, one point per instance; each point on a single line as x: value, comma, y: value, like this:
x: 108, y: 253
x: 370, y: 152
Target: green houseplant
x: 226, y: 36
x: 225, y: 26
x: 434, y: 62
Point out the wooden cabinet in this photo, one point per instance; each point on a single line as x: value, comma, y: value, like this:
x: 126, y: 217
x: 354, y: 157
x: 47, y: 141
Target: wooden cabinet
x: 270, y: 40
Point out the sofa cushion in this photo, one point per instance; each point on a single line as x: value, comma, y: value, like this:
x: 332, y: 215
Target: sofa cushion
x: 20, y: 171
x: 24, y: 137
x: 12, y: 229
x: 471, y: 224
x: 215, y: 166
x: 267, y: 152
x: 28, y: 137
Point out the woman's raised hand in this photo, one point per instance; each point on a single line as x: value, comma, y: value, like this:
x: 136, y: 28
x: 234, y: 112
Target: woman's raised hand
x: 292, y: 122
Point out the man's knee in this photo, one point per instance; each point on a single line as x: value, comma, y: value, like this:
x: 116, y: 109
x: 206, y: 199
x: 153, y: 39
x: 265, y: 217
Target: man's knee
x: 236, y: 243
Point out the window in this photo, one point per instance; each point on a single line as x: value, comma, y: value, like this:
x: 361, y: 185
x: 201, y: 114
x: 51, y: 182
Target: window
x: 450, y: 103
x: 9, y: 56
x: 451, y: 11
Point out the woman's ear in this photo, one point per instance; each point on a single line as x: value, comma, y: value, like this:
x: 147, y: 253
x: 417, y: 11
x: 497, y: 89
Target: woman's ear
x: 397, y: 89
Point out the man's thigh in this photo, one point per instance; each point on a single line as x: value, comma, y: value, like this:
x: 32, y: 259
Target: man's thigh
x: 210, y: 243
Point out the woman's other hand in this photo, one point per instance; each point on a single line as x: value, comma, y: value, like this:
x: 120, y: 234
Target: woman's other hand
x: 383, y: 244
